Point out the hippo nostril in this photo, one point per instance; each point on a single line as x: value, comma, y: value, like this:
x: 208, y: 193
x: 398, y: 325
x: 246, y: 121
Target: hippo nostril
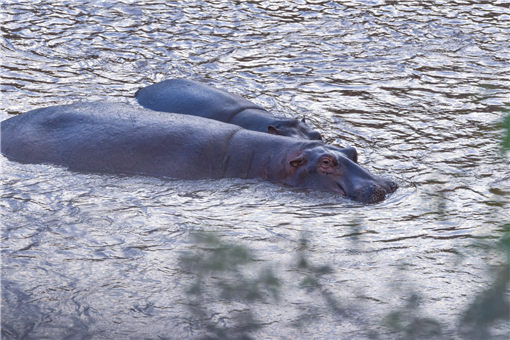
x: 392, y: 186
x: 389, y: 186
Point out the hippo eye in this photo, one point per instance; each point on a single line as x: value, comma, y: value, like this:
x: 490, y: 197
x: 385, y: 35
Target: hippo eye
x: 297, y: 162
x: 327, y: 162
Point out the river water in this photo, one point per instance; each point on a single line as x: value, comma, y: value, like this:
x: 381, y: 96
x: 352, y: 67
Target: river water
x: 419, y: 88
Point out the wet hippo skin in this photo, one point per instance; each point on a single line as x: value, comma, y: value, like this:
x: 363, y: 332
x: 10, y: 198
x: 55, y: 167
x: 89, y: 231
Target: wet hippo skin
x: 198, y: 99
x: 121, y: 139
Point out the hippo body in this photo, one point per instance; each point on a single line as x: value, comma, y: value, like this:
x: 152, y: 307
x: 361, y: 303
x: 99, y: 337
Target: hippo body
x: 197, y: 99
x: 118, y: 138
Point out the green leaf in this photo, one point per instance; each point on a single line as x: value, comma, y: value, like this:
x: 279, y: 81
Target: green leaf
x: 506, y: 137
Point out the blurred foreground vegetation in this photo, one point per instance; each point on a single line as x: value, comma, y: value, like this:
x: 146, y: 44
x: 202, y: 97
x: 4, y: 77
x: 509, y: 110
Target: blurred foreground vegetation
x: 506, y: 129
x: 229, y: 273
x: 224, y: 272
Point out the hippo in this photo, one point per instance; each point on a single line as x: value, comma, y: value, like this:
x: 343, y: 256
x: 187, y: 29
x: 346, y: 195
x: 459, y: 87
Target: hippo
x: 198, y: 99
x: 122, y: 139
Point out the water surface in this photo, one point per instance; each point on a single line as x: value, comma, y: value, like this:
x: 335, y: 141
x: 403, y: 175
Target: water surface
x: 418, y: 88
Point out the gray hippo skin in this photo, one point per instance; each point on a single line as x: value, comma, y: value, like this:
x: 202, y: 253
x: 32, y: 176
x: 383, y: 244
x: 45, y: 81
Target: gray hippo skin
x: 121, y: 139
x: 197, y: 99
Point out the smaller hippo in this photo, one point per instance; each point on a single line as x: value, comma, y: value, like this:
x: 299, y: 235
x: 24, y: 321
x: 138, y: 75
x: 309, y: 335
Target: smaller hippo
x: 197, y: 99
x: 121, y: 139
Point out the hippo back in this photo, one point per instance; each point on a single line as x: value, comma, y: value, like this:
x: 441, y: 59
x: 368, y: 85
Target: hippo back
x: 193, y: 98
x: 117, y: 138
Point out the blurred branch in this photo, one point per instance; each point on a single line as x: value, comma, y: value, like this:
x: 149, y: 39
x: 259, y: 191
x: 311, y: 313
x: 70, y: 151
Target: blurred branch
x: 218, y: 269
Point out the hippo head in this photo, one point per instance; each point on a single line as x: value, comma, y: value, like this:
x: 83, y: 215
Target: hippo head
x: 327, y: 168
x: 293, y: 128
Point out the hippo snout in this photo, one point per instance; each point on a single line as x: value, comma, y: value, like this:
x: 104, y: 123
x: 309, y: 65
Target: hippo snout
x: 374, y: 192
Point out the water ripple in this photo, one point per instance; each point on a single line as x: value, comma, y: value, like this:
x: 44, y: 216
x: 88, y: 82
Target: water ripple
x: 418, y: 88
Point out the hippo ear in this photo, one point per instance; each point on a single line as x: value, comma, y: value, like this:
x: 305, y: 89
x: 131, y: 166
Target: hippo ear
x: 351, y: 153
x: 272, y: 130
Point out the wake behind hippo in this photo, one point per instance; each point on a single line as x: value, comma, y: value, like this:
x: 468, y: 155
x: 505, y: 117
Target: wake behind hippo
x: 198, y: 99
x: 120, y: 139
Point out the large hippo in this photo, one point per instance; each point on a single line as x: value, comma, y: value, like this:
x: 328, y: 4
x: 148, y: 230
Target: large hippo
x: 197, y: 99
x: 119, y: 138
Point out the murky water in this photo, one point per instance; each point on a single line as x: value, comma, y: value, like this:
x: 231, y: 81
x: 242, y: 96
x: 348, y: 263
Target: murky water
x: 418, y: 88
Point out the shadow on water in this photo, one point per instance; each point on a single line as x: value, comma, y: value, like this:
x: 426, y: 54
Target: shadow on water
x: 25, y: 315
